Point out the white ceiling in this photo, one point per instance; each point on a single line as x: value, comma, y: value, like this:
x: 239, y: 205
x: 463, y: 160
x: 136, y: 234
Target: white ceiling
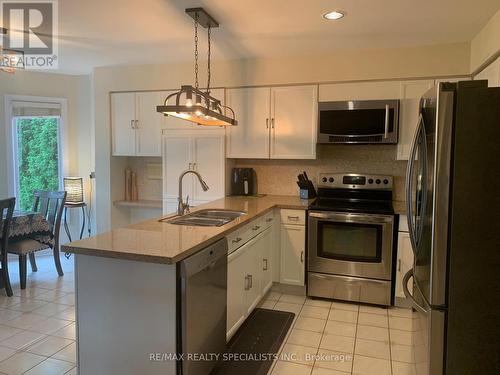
x: 123, y: 32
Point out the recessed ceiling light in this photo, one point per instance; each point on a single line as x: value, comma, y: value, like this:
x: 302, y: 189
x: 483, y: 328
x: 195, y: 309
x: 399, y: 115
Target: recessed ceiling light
x: 334, y: 15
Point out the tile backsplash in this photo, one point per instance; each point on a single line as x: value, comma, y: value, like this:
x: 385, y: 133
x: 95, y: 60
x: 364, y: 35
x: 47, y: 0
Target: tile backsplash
x: 279, y: 176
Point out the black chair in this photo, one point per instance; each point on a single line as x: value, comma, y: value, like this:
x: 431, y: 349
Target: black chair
x: 51, y: 205
x: 6, y: 211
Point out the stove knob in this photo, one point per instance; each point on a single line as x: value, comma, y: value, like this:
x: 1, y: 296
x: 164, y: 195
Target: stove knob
x: 325, y: 179
x: 377, y: 181
x: 370, y: 180
x: 386, y: 181
x: 331, y: 179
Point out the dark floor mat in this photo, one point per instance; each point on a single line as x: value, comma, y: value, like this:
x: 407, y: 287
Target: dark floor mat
x: 256, y: 343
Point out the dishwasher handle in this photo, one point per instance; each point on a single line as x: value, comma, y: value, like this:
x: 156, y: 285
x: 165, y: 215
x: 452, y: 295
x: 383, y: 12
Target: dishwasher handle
x: 204, y: 259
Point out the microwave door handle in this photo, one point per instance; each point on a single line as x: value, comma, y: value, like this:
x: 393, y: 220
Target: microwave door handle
x: 386, y: 129
x: 407, y: 293
x: 409, y: 186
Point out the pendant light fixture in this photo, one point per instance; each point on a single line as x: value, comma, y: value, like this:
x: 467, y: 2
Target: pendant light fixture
x: 190, y: 103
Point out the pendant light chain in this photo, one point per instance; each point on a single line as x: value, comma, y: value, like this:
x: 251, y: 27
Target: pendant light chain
x: 196, y: 51
x: 209, y: 58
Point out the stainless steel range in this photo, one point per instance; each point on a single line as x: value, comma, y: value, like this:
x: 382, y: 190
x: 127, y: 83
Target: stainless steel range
x: 350, y: 239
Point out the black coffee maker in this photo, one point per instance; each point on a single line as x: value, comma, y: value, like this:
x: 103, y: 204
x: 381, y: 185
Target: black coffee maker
x: 243, y: 181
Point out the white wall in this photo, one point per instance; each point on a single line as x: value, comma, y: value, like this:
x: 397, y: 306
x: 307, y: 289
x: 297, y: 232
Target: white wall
x: 417, y: 62
x: 486, y: 44
x: 76, y: 89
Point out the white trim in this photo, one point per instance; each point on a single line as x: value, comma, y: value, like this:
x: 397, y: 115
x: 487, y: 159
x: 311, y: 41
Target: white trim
x: 9, y: 102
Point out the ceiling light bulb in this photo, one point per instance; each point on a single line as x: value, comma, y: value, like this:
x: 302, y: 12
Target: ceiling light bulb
x: 198, y: 113
x: 189, y: 103
x: 334, y: 15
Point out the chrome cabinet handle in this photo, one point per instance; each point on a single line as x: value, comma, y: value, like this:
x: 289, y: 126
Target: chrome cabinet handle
x: 407, y: 293
x: 386, y: 131
x: 251, y: 281
x: 190, y: 164
x: 132, y: 124
x: 301, y: 257
x: 238, y: 239
x: 247, y: 282
x: 264, y: 268
x: 257, y: 227
x: 272, y: 123
x: 269, y: 220
x: 137, y: 124
x: 194, y: 166
x: 267, y: 123
x: 399, y: 265
x: 295, y: 218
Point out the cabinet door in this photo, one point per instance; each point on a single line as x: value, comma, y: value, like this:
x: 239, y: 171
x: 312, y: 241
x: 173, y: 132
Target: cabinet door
x: 294, y: 122
x: 177, y: 157
x: 250, y: 138
x: 149, y: 124
x: 123, y: 124
x: 404, y: 262
x: 293, y: 238
x: 359, y: 91
x: 491, y: 73
x: 253, y: 271
x: 267, y: 260
x: 236, y: 289
x: 209, y: 161
x: 411, y: 92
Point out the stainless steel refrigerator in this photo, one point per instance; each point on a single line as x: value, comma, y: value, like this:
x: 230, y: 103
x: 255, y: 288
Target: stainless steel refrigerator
x: 453, y: 208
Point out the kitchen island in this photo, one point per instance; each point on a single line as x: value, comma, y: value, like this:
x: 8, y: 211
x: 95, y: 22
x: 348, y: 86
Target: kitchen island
x: 127, y: 287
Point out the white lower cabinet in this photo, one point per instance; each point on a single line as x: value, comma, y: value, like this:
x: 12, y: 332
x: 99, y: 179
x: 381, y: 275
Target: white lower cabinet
x: 249, y: 272
x: 292, y: 247
x: 404, y: 258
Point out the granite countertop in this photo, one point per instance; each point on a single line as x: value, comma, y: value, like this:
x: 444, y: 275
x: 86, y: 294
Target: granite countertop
x: 159, y: 242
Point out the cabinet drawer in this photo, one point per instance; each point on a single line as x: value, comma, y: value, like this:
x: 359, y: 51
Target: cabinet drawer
x: 403, y: 224
x: 297, y: 217
x: 238, y: 238
x: 268, y: 219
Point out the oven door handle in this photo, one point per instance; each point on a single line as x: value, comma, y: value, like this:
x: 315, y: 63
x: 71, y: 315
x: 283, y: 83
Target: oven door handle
x: 352, y: 218
x: 407, y: 293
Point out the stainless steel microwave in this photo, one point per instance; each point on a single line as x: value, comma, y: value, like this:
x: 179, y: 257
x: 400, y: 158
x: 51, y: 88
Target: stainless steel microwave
x: 359, y: 121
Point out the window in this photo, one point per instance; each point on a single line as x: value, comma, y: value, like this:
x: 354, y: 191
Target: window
x: 36, y: 160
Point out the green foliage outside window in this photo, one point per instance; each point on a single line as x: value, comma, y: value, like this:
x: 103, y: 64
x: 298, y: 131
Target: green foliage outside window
x: 38, y: 157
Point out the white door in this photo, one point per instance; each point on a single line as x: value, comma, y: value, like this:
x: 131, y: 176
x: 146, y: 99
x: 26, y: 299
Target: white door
x: 236, y: 288
x: 293, y: 238
x: 293, y: 122
x: 253, y: 261
x: 209, y: 161
x: 267, y: 260
x: 123, y: 118
x: 177, y: 157
x: 149, y: 123
x: 404, y: 262
x: 250, y: 138
x: 411, y: 92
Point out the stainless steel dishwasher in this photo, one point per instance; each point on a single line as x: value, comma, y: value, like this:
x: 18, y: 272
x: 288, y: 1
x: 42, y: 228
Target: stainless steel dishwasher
x: 203, y: 289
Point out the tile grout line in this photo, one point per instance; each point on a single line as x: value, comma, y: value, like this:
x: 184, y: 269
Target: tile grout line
x: 355, y: 340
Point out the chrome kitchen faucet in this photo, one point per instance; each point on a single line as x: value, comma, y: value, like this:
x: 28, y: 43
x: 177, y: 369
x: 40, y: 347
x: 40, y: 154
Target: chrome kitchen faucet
x: 183, y: 208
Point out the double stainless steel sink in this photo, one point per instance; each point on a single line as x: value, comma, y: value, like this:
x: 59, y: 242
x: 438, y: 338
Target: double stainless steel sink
x: 206, y: 218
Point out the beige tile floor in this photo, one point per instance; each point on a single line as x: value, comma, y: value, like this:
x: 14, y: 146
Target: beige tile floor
x: 37, y: 325
x: 334, y: 338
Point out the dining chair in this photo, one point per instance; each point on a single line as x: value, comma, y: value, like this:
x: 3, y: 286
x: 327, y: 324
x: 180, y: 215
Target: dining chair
x: 50, y: 204
x: 6, y: 211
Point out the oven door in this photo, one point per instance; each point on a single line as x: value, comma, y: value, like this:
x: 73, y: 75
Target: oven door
x: 350, y: 244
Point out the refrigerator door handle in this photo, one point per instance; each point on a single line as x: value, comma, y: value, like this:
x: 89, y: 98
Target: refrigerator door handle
x: 407, y: 293
x: 409, y: 185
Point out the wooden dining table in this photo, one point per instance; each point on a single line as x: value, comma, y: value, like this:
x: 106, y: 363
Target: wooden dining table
x: 29, y: 225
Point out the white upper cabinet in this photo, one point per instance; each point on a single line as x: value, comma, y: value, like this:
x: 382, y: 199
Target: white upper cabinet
x: 411, y: 92
x: 136, y: 126
x: 173, y: 123
x: 123, y: 123
x: 149, y: 124
x: 294, y: 111
x: 276, y: 123
x: 202, y: 151
x: 359, y: 91
x: 491, y: 73
x: 250, y: 138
